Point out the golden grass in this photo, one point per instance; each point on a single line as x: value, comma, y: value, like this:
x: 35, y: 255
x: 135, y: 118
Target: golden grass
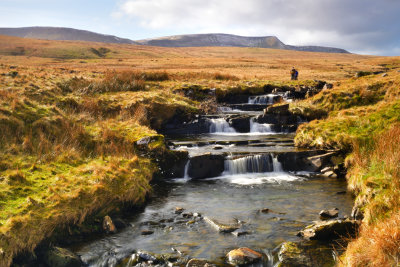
x: 375, y: 175
x: 70, y: 113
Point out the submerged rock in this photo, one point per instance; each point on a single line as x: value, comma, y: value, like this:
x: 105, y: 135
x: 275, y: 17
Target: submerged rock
x: 329, y: 230
x: 240, y: 232
x: 243, y: 256
x: 223, y: 228
x: 328, y: 214
x: 200, y: 263
x: 292, y: 254
x: 61, y: 257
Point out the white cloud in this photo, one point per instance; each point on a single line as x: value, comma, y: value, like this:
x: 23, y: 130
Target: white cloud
x: 354, y: 24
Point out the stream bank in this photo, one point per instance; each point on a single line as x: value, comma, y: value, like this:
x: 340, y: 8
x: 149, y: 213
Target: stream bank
x: 243, y: 173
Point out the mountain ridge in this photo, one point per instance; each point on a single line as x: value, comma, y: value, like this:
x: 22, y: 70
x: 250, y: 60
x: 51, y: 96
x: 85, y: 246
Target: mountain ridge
x: 186, y: 40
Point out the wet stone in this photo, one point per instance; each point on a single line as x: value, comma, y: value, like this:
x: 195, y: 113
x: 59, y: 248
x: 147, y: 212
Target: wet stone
x: 222, y: 228
x: 179, y: 210
x: 266, y: 210
x: 147, y: 232
x: 187, y: 215
x: 328, y: 214
x: 150, y: 223
x: 240, y: 232
x: 243, y: 256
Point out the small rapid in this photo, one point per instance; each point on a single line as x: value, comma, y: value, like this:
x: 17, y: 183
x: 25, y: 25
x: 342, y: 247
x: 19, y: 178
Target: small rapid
x: 220, y: 125
x: 239, y: 166
x: 268, y: 99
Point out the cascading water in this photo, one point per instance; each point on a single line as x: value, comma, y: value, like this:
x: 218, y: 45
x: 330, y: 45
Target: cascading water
x: 256, y: 127
x: 220, y: 125
x: 262, y: 99
x: 252, y: 164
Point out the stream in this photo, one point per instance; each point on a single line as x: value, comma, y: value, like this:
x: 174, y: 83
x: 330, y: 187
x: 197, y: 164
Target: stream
x: 243, y: 169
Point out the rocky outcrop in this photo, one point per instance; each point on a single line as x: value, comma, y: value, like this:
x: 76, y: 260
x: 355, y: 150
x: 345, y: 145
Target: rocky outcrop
x: 330, y: 230
x: 243, y: 256
x: 304, y: 160
x: 206, y: 166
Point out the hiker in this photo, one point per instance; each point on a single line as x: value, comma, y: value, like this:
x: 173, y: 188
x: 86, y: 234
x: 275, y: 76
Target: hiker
x: 294, y: 74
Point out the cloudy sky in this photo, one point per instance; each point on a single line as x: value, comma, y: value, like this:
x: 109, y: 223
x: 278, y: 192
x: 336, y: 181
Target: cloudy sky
x: 360, y: 26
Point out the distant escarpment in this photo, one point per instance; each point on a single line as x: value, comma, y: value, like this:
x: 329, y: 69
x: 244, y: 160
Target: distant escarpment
x: 199, y: 40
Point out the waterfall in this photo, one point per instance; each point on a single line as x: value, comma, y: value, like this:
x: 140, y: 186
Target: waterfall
x: 224, y: 109
x: 252, y: 164
x: 186, y: 171
x: 262, y: 99
x: 220, y: 126
x: 276, y: 164
x: 256, y: 127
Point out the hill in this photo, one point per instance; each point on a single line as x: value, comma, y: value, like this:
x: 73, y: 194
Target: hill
x: 189, y: 40
x: 57, y: 33
x: 218, y: 39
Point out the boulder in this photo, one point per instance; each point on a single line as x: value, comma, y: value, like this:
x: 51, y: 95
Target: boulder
x: 329, y: 214
x: 240, y: 124
x: 221, y: 227
x: 243, y: 256
x: 330, y: 230
x: 206, y: 166
x: 293, y: 254
x: 108, y: 225
x: 61, y: 257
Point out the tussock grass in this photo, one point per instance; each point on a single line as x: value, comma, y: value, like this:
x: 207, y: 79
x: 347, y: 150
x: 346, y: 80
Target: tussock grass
x: 362, y: 117
x: 73, y: 155
x: 375, y: 177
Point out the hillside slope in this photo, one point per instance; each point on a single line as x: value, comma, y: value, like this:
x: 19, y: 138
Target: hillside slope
x: 189, y: 40
x: 58, y: 33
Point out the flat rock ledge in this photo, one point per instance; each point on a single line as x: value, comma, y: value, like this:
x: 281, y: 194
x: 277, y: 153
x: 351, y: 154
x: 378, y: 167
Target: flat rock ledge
x: 330, y: 230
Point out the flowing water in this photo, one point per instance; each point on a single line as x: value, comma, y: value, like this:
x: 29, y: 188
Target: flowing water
x: 253, y: 179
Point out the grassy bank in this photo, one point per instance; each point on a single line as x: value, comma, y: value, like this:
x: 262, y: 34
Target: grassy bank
x: 68, y: 150
x: 362, y: 117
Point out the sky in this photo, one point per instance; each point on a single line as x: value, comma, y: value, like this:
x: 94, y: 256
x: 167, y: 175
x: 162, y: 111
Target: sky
x: 359, y: 26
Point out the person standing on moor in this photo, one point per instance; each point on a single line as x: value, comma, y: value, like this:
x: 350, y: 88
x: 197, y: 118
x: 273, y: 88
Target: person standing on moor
x: 294, y: 74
